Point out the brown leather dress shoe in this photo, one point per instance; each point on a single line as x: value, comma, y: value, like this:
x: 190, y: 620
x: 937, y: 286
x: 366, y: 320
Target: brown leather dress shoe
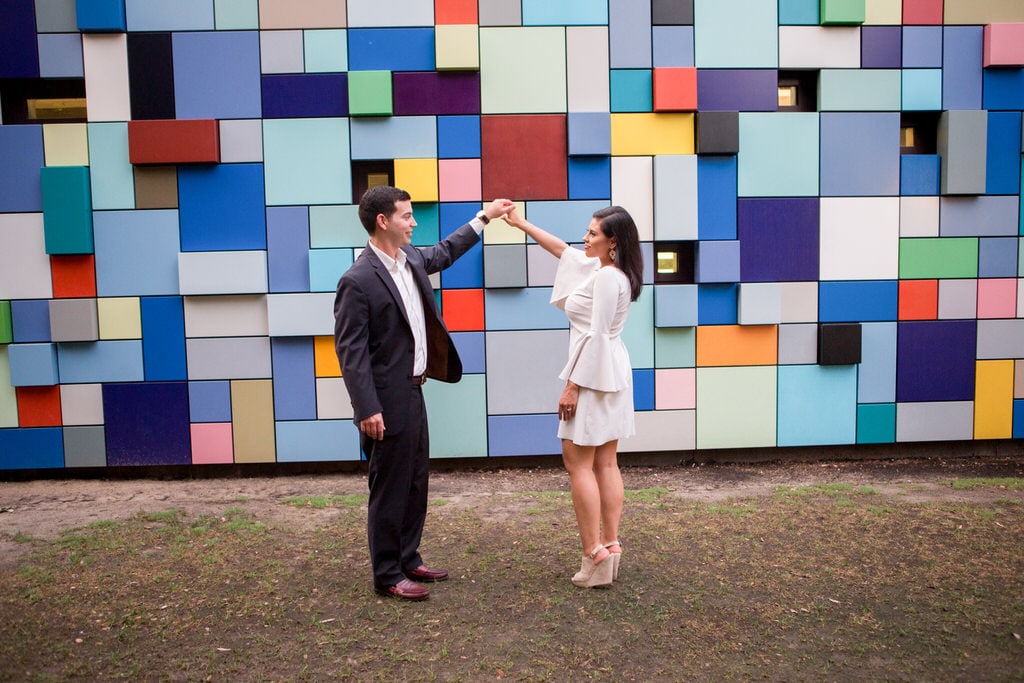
x: 426, y: 574
x: 406, y: 590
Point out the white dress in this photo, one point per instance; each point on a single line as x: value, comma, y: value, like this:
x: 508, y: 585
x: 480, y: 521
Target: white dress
x: 596, y: 301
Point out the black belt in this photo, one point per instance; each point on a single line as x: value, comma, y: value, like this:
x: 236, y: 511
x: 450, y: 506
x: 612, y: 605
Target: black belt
x: 418, y: 380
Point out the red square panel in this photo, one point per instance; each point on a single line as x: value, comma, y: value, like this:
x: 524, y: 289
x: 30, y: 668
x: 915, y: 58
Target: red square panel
x: 925, y: 12
x: 524, y: 157
x: 675, y: 89
x: 919, y: 300
x: 174, y: 141
x: 463, y: 309
x: 38, y: 406
x: 455, y: 12
x: 73, y: 276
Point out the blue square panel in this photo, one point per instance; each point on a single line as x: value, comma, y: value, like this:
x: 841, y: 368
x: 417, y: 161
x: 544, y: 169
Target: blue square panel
x: 922, y: 47
x: 326, y: 266
x: 289, y: 96
x: 471, y: 347
x: 716, y: 197
x: 590, y: 178
x: 857, y: 301
x: 1003, y: 163
x: 209, y: 401
x: 920, y: 174
x: 316, y: 441
x: 717, y: 304
x: 222, y: 207
x: 100, y: 15
x: 18, y: 38
x: 147, y: 424
x: 458, y: 137
x: 391, y: 49
x: 20, y: 188
x: 962, y: 72
x: 643, y: 389
x: 60, y: 55
x: 136, y: 252
x: 288, y: 239
x: 163, y: 338
x: 523, y: 435
x: 921, y: 89
x: 590, y: 133
x: 672, y: 46
x: 30, y: 449
x: 935, y: 360
x: 997, y: 257
x: 779, y: 239
x: 860, y: 154
x: 294, y: 378
x: 30, y: 319
x: 817, y: 405
x: 217, y: 75
x: 468, y: 271
x: 675, y: 306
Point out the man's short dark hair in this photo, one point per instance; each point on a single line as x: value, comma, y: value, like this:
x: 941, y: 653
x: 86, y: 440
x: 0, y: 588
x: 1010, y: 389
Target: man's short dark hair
x: 379, y: 200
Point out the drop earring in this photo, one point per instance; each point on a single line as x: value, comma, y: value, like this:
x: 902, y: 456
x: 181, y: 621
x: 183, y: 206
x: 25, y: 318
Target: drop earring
x: 611, y: 254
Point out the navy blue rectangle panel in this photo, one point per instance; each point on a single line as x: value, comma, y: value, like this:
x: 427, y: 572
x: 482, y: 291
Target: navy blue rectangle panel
x: 737, y: 90
x: 935, y: 360
x: 288, y: 96
x: 147, y: 423
x: 19, y: 52
x: 778, y: 239
x: 151, y: 75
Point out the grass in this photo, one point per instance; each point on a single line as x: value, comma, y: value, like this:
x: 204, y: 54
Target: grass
x: 989, y: 482
x: 829, y: 582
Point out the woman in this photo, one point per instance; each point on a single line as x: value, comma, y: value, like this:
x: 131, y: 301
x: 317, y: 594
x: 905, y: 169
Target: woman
x: 595, y: 288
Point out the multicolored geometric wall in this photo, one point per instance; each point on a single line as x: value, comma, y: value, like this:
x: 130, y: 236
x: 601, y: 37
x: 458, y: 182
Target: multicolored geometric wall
x: 828, y: 195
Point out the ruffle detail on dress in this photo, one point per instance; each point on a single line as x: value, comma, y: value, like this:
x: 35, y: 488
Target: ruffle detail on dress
x: 598, y: 363
x: 574, y: 267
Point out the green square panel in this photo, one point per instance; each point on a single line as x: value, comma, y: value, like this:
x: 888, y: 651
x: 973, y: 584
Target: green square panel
x: 841, y: 12
x: 306, y: 161
x: 67, y: 209
x: 457, y: 417
x: 638, y: 334
x: 236, y: 15
x: 325, y: 50
x: 860, y: 90
x: 6, y: 329
x: 336, y: 226
x: 675, y: 348
x: 522, y: 70
x: 369, y: 93
x: 779, y: 154
x: 938, y: 258
x: 736, y: 407
x: 876, y: 423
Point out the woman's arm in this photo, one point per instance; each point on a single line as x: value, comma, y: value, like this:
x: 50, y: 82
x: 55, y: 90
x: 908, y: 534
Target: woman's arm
x: 553, y: 245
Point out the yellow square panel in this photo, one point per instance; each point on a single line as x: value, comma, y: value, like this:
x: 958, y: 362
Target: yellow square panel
x: 500, y: 232
x: 66, y: 144
x: 882, y: 12
x: 993, y: 399
x: 325, y: 358
x: 457, y: 46
x: 650, y: 134
x: 119, y: 318
x: 418, y: 177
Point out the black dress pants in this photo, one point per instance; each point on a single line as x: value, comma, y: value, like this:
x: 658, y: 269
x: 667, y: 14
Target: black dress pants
x: 398, y: 471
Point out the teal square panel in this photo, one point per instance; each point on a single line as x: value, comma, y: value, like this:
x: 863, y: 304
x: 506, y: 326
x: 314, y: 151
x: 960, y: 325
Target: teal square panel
x: 876, y: 423
x: 798, y: 12
x: 326, y: 266
x: 306, y: 161
x: 67, y: 209
x: 457, y: 417
x: 325, y: 50
x: 336, y: 226
x: 638, y: 334
x: 740, y: 34
x: 675, y: 348
x: 236, y: 15
x: 736, y: 407
x: 778, y: 154
x: 110, y: 173
x: 817, y: 405
x: 428, y: 224
x: 565, y: 12
x: 922, y: 89
x: 631, y: 90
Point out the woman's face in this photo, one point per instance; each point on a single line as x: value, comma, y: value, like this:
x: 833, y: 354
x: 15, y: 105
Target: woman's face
x: 596, y: 244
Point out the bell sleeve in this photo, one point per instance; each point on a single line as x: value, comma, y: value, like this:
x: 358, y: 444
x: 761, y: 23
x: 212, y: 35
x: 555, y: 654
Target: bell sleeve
x: 598, y: 361
x: 573, y: 268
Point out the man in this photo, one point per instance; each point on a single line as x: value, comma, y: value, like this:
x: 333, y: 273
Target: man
x: 390, y: 337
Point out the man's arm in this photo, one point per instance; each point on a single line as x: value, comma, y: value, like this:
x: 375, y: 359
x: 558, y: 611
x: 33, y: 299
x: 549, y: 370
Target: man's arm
x: 351, y: 342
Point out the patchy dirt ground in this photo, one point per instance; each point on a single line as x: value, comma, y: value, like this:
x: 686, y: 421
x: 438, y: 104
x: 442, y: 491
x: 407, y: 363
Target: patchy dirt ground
x: 43, y: 508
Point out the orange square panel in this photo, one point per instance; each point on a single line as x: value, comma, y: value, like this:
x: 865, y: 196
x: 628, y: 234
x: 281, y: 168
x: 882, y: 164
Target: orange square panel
x: 731, y: 345
x: 174, y: 141
x: 918, y: 300
x: 73, y: 275
x: 38, y: 406
x: 675, y: 89
x: 455, y: 12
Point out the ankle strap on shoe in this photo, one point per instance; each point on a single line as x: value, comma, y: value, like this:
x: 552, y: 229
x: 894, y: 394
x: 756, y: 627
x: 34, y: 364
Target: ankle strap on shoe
x: 593, y: 553
x: 612, y: 544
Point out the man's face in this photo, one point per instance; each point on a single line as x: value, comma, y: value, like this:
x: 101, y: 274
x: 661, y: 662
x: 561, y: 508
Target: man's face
x: 397, y: 228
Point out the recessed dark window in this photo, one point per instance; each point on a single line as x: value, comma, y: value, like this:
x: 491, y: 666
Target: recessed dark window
x: 42, y: 100
x: 919, y: 132
x: 798, y: 90
x: 367, y: 174
x: 674, y: 263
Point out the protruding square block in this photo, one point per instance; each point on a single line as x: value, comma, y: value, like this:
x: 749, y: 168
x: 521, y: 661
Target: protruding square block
x: 963, y: 144
x: 369, y: 93
x: 456, y: 46
x: 191, y: 141
x: 590, y: 133
x: 839, y: 343
x: 33, y: 365
x: 675, y: 89
x: 841, y: 12
x: 718, y: 132
x: 672, y: 12
x: 718, y: 261
x: 74, y: 320
x: 67, y: 209
x: 1004, y: 45
x: 100, y: 16
x: 6, y: 328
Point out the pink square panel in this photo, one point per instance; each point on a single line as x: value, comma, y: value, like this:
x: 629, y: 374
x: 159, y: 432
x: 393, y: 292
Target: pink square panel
x: 211, y: 443
x: 675, y: 389
x: 458, y: 180
x: 997, y: 298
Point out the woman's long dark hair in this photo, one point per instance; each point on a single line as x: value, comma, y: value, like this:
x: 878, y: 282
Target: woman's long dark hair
x: 616, y: 222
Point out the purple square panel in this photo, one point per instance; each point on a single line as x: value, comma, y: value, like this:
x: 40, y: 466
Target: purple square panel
x: 778, y: 239
x: 423, y: 93
x: 147, y: 423
x: 737, y: 90
x: 935, y: 360
x: 881, y: 47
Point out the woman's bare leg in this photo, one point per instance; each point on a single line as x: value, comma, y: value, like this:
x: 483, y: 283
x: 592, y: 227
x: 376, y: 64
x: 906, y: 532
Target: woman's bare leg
x: 609, y: 483
x: 586, y: 496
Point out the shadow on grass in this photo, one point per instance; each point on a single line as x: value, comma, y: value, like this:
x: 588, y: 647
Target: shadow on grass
x: 830, y: 582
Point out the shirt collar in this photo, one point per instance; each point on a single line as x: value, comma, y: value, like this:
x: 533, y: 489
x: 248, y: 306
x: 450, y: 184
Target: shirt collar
x: 392, y: 264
